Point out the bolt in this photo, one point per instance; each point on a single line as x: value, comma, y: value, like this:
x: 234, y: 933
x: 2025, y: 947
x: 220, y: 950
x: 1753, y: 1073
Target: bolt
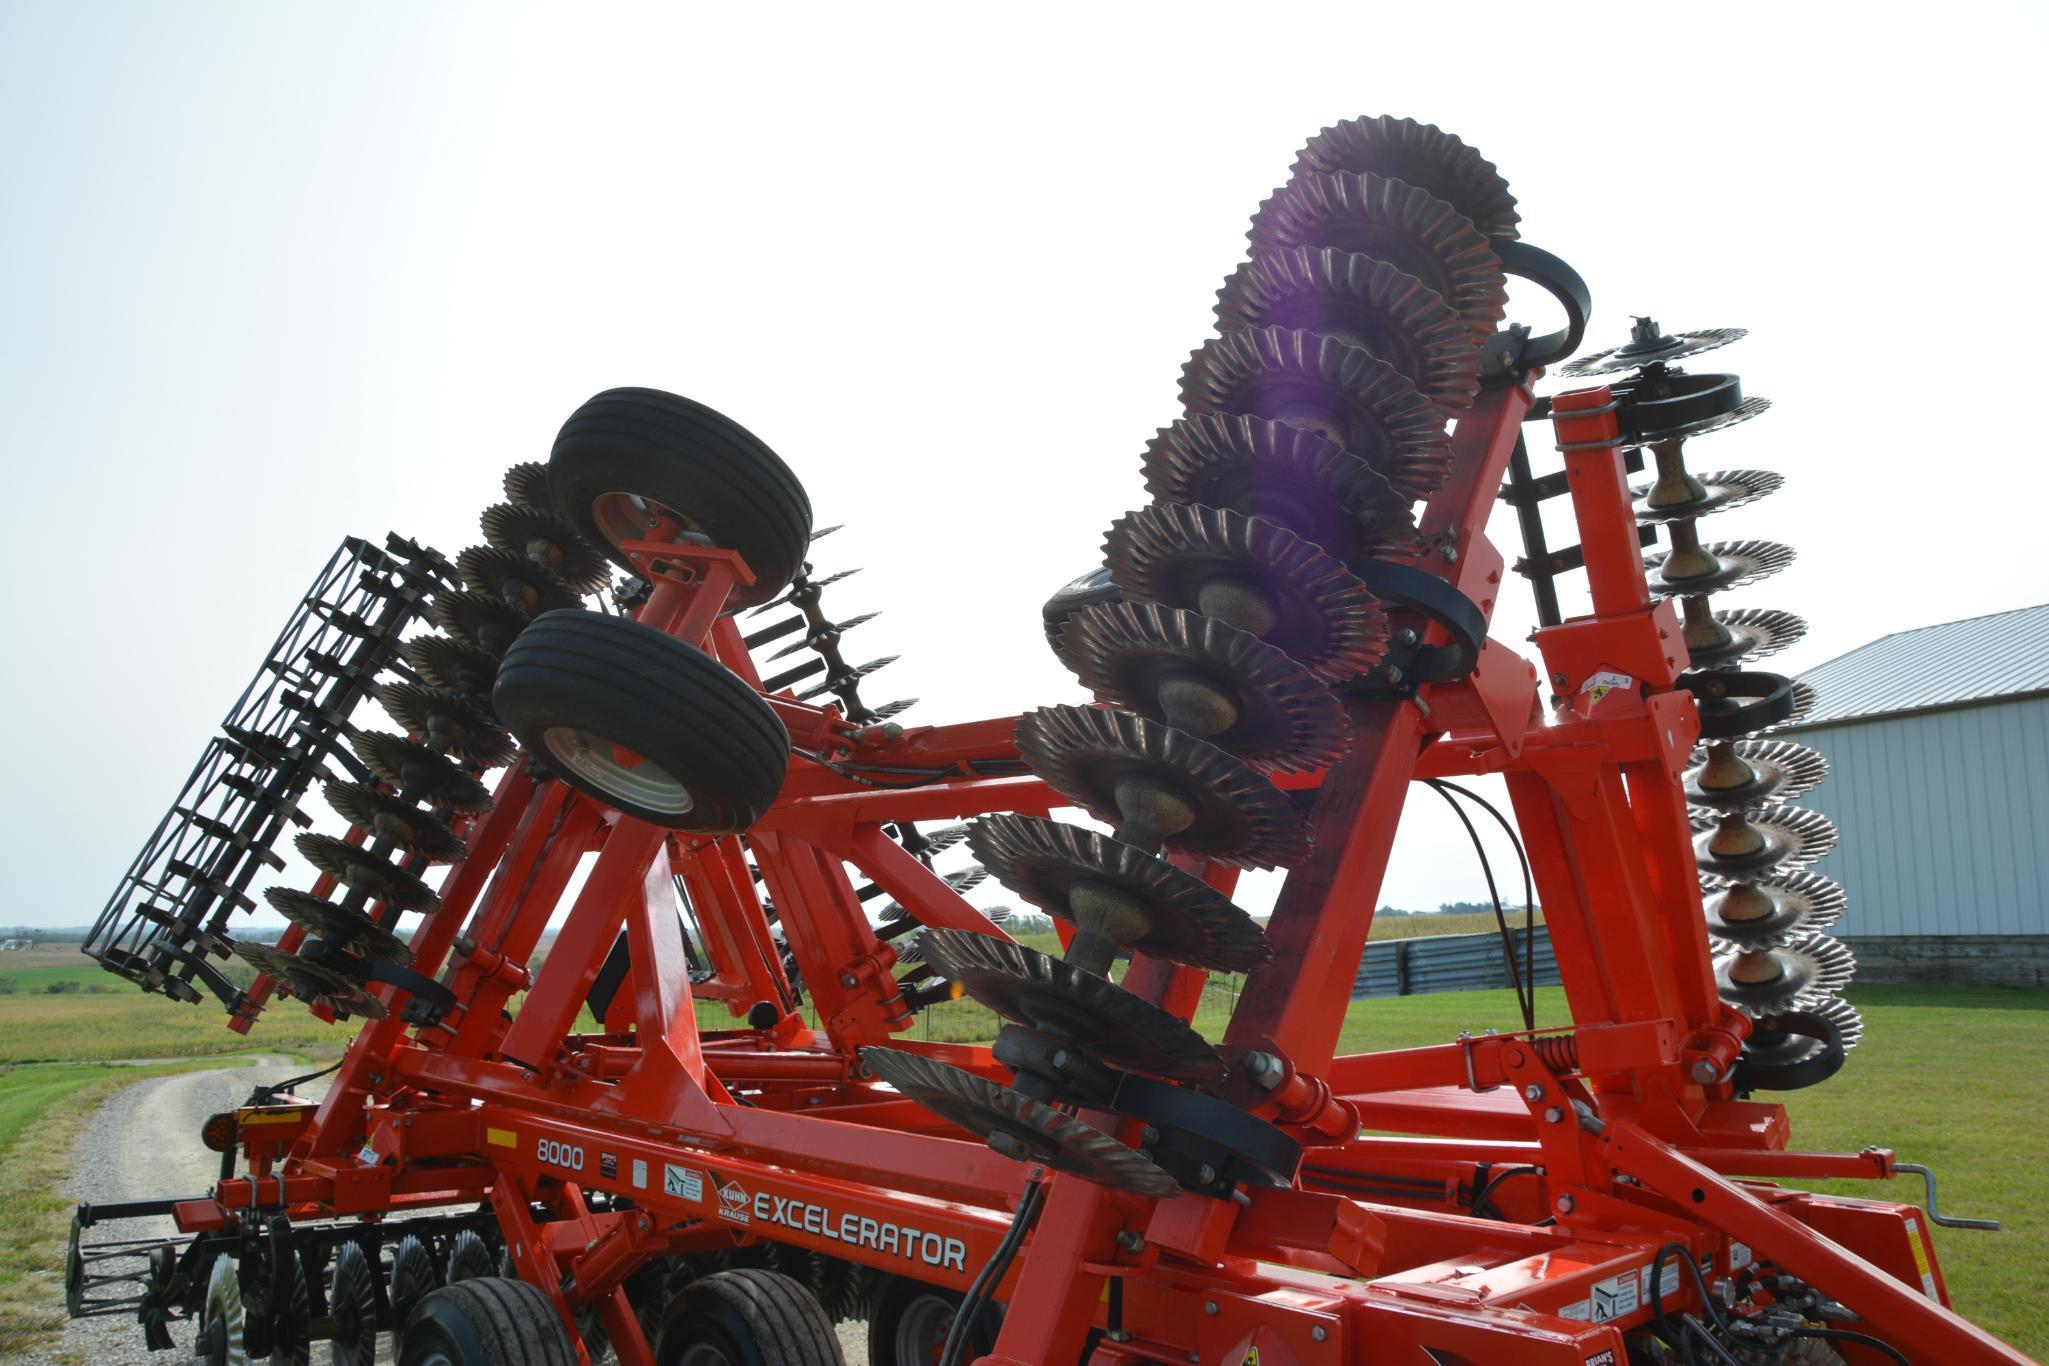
x: 1451, y: 554
x: 1406, y: 637
x: 1705, y: 1072
x: 1553, y: 1115
x: 1533, y: 1092
x: 1319, y: 1332
x: 1118, y: 1335
x: 1563, y: 1204
x: 1130, y: 1239
x: 1205, y: 1175
x: 1395, y: 674
x: 847, y: 979
x: 1061, y: 1060
x: 1209, y: 1307
x: 1011, y: 1146
x: 1557, y: 680
x: 1266, y: 1070
x: 1148, y: 1136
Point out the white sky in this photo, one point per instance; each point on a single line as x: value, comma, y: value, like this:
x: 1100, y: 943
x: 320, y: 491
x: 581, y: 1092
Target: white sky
x: 271, y: 274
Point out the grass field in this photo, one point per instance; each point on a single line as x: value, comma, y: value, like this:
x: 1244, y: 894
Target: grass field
x: 1952, y: 1079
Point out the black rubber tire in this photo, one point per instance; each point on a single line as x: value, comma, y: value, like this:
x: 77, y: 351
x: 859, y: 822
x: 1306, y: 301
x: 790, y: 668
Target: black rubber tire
x: 752, y: 1317
x: 899, y: 1296
x: 666, y: 701
x: 488, y: 1321
x: 1090, y: 590
x: 694, y: 461
x: 469, y: 1259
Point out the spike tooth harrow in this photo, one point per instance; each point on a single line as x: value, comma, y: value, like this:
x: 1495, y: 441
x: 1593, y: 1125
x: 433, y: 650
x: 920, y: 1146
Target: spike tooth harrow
x: 1291, y: 634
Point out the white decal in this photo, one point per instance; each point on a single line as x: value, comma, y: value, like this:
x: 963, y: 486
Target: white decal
x: 681, y: 1182
x: 560, y: 1154
x: 912, y: 1244
x: 640, y: 1173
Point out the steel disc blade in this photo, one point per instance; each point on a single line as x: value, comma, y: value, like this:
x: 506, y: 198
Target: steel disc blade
x: 891, y: 709
x: 1652, y: 347
x: 1686, y: 431
x: 1402, y: 224
x: 1697, y: 495
x: 1805, y: 696
x: 1093, y: 1013
x: 1388, y: 313
x: 338, y: 925
x: 445, y: 662
x: 419, y: 772
x: 1765, y: 838
x: 486, y: 623
x: 1725, y: 640
x: 356, y: 868
x: 1773, y: 910
x: 1209, y: 679
x: 548, y: 539
x: 1728, y: 564
x: 1807, y: 971
x: 1239, y: 817
x: 310, y: 982
x: 1191, y: 922
x: 840, y: 682
x: 963, y: 880
x: 527, y: 485
x: 448, y: 723
x: 387, y: 816
x: 1419, y: 154
x: 1748, y: 772
x: 1254, y: 574
x: 1257, y: 467
x: 511, y: 576
x: 1017, y: 1126
x: 1321, y: 385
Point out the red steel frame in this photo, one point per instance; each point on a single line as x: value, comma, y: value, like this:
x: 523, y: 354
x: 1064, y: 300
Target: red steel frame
x: 1638, y: 1141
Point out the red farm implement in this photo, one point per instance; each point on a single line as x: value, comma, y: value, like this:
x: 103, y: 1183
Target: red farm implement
x: 558, y: 1163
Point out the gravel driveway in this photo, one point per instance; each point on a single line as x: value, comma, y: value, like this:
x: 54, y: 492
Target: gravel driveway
x: 144, y: 1142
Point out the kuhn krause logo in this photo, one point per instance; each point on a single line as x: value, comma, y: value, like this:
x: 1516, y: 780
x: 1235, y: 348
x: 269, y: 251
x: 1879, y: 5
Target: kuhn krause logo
x: 891, y: 1239
x: 732, y: 1202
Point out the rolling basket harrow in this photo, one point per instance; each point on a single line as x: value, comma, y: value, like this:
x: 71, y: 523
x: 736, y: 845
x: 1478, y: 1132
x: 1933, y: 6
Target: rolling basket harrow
x: 1291, y: 633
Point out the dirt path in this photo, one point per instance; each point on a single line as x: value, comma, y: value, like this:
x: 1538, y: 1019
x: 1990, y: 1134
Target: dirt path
x: 144, y: 1142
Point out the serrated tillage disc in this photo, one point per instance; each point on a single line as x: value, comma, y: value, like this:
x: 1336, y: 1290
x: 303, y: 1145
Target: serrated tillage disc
x: 1778, y: 771
x: 890, y: 709
x: 419, y: 772
x: 445, y: 662
x: 309, y: 981
x: 1419, y: 154
x: 527, y: 485
x: 1202, y: 559
x: 388, y: 816
x: 357, y: 868
x: 1749, y: 408
x: 1775, y: 838
x: 963, y: 880
x: 1737, y: 563
x: 1805, y: 695
x: 1838, y: 1012
x: 448, y: 722
x: 548, y: 539
x: 1635, y: 355
x: 1025, y: 1128
x: 1748, y: 634
x: 1240, y: 817
x: 1257, y: 467
x: 1192, y: 922
x: 485, y: 622
x: 1209, y: 679
x: 520, y: 581
x: 1324, y: 386
x: 1405, y: 225
x: 1719, y: 492
x: 1772, y: 910
x: 1388, y: 313
x: 1811, y: 969
x: 339, y: 925
x: 1101, y: 1018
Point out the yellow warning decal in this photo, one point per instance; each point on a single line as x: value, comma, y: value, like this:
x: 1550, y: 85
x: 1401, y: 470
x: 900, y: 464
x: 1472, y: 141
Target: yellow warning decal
x: 245, y: 1118
x: 1921, y: 1266
x: 501, y: 1138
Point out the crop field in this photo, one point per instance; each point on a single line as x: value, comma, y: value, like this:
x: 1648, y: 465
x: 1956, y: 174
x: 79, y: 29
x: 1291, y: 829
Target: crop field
x: 1953, y: 1079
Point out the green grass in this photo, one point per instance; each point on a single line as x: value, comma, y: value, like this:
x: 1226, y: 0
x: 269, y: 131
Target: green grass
x: 122, y: 1021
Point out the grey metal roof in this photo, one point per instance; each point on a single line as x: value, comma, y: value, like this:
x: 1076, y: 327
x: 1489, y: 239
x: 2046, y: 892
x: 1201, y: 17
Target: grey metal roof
x: 1979, y: 659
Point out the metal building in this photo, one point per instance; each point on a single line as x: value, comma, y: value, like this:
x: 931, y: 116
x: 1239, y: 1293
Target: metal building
x: 1938, y: 742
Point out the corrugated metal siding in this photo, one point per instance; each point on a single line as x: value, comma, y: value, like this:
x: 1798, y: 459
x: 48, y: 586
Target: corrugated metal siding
x: 2002, y: 655
x: 1944, y: 817
x: 1447, y: 962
